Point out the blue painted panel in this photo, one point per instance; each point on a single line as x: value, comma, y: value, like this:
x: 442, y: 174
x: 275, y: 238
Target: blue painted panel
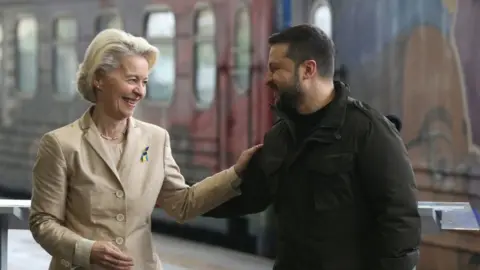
x: 283, y: 16
x: 363, y: 28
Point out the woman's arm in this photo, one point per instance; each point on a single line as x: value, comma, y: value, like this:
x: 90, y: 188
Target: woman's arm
x: 183, y: 202
x: 47, y: 213
x: 255, y: 198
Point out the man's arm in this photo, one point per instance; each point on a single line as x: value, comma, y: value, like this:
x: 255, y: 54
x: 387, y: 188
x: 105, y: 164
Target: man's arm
x: 389, y: 184
x: 255, y: 195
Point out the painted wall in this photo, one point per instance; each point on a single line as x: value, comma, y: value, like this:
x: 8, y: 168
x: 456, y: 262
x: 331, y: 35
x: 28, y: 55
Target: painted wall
x: 418, y: 59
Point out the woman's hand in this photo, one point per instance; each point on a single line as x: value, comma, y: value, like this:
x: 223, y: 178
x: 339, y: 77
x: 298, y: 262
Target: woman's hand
x: 244, y: 158
x: 110, y: 257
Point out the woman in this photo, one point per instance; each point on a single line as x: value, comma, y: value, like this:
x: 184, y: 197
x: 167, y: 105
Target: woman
x: 96, y: 181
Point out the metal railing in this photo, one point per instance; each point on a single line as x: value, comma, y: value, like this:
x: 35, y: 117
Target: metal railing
x: 10, y: 208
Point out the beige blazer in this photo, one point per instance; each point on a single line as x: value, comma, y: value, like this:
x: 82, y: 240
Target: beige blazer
x: 79, y: 195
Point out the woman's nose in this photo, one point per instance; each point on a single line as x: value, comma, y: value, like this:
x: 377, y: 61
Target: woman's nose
x: 140, y: 91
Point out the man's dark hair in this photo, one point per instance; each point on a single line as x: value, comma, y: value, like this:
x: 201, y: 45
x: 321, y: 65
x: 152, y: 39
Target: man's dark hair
x: 307, y: 42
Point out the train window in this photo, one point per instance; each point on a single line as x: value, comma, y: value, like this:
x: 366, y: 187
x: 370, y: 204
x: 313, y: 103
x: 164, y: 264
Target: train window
x: 205, y: 58
x: 322, y: 17
x: 26, y: 60
x: 160, y: 31
x: 110, y: 20
x: 65, y: 56
x: 242, y: 50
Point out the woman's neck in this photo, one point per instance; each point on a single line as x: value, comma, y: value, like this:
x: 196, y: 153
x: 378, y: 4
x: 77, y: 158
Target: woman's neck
x: 108, y: 127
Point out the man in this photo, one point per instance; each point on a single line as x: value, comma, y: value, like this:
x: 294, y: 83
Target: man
x: 335, y: 170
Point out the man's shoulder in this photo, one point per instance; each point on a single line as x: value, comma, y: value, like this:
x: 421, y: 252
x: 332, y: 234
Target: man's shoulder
x: 366, y: 117
x: 360, y: 109
x: 364, y: 113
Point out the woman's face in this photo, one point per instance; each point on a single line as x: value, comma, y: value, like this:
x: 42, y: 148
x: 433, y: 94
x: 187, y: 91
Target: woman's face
x: 120, y: 90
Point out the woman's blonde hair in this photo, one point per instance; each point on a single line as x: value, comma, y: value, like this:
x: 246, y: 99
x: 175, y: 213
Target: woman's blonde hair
x: 104, y: 55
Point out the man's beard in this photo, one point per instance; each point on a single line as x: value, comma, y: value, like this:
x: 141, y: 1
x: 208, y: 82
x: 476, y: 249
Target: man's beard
x: 288, y: 96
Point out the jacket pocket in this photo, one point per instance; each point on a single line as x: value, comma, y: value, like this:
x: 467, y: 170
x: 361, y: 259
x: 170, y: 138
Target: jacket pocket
x: 330, y: 177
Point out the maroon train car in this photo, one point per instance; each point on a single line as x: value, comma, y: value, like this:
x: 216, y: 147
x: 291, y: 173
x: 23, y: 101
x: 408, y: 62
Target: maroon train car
x: 206, y: 89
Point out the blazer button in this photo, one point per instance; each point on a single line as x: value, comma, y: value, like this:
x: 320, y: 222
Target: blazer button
x: 120, y: 217
x: 119, y: 194
x: 119, y: 240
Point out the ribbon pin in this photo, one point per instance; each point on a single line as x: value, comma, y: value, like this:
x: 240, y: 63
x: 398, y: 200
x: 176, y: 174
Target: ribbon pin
x: 144, y: 157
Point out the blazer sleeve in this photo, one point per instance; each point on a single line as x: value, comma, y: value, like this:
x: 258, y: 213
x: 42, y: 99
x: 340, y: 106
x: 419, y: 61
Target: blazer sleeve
x: 47, y: 213
x: 184, y: 202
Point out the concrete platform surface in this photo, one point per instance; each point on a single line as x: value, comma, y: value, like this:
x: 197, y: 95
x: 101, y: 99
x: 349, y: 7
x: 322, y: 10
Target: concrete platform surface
x: 176, y: 254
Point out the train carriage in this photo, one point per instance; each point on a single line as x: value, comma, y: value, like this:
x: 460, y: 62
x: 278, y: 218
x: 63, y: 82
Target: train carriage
x: 415, y: 59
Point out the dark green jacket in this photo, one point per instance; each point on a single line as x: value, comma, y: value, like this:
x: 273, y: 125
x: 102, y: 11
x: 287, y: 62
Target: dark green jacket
x: 344, y: 198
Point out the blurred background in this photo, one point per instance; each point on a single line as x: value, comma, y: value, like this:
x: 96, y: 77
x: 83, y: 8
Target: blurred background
x: 417, y: 59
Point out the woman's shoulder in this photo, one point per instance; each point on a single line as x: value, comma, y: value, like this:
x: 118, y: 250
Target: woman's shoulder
x: 63, y: 135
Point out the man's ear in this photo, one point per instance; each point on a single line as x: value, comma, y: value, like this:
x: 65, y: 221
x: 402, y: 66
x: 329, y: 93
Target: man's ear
x: 310, y: 68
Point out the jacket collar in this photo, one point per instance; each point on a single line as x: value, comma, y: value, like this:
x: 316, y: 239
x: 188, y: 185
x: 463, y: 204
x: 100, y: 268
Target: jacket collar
x: 133, y: 146
x: 335, y: 114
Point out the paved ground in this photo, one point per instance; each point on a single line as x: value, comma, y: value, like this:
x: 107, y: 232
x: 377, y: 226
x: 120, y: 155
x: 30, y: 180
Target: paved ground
x: 190, y: 255
x: 175, y: 253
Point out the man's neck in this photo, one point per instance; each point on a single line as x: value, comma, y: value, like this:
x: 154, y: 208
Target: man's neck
x: 316, y: 99
x: 106, y: 125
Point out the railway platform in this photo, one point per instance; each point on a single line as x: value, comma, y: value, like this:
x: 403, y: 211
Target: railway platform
x: 176, y: 254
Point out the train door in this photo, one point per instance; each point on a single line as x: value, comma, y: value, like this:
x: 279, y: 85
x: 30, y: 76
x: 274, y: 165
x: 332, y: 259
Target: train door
x: 248, y: 111
x: 234, y: 99
x: 241, y: 76
x: 236, y: 103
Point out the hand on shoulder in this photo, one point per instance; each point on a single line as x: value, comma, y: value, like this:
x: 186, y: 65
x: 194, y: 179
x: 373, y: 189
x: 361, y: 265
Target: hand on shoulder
x: 244, y: 158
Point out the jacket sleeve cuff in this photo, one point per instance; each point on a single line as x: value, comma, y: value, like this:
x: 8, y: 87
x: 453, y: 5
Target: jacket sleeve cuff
x: 83, y: 249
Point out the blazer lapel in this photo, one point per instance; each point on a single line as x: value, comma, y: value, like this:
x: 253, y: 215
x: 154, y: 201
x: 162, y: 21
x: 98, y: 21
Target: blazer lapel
x: 134, y: 148
x: 93, y: 138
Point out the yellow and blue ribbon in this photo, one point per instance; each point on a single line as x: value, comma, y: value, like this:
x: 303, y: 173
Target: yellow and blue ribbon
x: 144, y: 157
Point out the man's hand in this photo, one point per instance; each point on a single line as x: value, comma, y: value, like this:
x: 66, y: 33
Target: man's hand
x: 244, y: 158
x: 109, y: 256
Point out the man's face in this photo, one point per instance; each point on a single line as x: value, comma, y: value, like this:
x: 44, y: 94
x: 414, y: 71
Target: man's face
x: 283, y: 76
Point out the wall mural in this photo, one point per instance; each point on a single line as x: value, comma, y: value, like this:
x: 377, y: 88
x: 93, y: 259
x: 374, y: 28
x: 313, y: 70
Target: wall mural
x: 418, y: 60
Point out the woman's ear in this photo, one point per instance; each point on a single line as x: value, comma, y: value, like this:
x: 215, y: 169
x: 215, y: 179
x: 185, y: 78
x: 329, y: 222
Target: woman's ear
x: 98, y: 83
